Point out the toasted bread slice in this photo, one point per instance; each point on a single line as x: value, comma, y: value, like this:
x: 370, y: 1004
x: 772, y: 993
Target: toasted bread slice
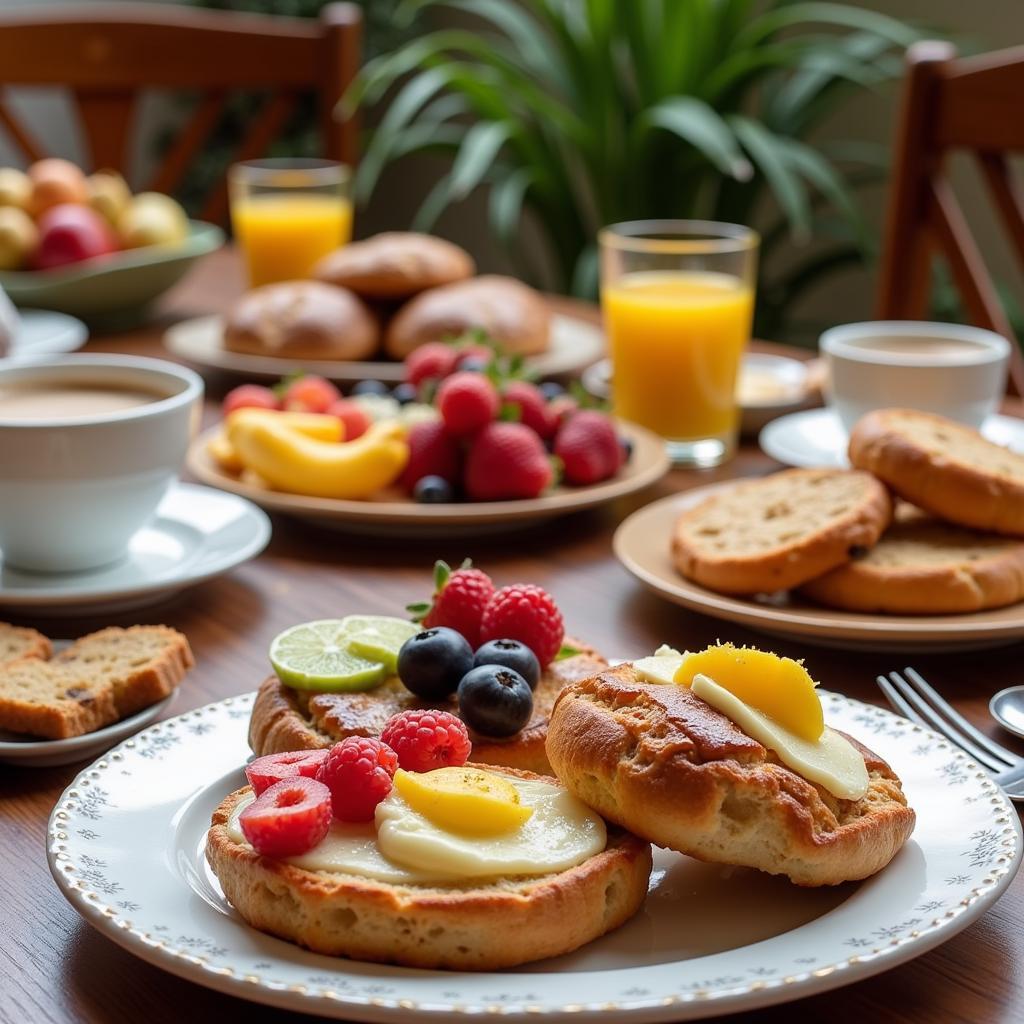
x: 17, y: 642
x: 286, y: 719
x: 665, y: 765
x: 944, y: 467
x: 777, y: 532
x: 41, y: 698
x: 143, y: 664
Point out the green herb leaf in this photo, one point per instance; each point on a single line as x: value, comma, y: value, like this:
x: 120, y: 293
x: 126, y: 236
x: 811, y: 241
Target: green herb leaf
x: 442, y: 570
x: 567, y: 651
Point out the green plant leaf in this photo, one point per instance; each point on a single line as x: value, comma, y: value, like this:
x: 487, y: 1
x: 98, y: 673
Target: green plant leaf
x: 479, y: 148
x: 697, y: 123
x: 841, y: 15
x: 506, y: 202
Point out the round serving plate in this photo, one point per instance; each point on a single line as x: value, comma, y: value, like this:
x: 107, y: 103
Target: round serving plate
x: 392, y: 514
x: 574, y: 345
x: 642, y: 544
x: 126, y: 846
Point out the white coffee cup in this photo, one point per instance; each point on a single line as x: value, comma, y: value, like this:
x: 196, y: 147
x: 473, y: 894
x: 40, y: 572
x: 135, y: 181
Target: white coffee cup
x: 950, y: 369
x: 74, y: 489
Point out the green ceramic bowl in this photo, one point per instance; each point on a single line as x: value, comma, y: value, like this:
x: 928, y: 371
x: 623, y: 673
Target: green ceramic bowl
x: 114, y: 290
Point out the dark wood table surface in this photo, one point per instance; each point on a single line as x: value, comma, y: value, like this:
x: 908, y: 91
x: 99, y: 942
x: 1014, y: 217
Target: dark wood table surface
x: 55, y: 968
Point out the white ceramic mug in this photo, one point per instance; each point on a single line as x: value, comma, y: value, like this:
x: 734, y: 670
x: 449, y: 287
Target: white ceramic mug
x: 949, y: 369
x: 74, y: 490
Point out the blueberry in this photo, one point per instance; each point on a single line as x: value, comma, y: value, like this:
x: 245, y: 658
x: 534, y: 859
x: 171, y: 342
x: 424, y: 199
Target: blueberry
x: 495, y: 701
x: 433, y: 490
x: 551, y: 389
x: 403, y: 394
x: 432, y: 662
x: 371, y: 387
x: 627, y: 448
x: 512, y: 654
x: 474, y: 364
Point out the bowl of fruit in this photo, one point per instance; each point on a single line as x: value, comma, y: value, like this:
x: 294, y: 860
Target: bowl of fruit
x: 84, y: 245
x: 463, y: 443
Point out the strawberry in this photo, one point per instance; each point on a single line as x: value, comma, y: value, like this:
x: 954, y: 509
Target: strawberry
x: 459, y: 600
x: 249, y: 396
x: 433, y: 361
x: 432, y: 452
x: 354, y: 418
x: 309, y: 393
x: 589, y: 448
x: 467, y: 401
x: 526, y: 613
x: 533, y: 408
x: 506, y: 461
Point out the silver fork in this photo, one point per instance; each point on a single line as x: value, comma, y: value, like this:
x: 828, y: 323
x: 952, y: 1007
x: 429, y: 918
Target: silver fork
x: 916, y: 700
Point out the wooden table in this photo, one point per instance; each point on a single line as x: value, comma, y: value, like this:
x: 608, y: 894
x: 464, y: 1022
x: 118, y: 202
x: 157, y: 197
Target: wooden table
x: 54, y: 967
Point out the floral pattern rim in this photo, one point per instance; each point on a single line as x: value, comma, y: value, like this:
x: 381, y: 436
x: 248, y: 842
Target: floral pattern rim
x: 95, y: 874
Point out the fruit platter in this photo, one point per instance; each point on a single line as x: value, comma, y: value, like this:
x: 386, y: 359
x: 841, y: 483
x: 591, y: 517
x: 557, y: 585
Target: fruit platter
x: 465, y: 441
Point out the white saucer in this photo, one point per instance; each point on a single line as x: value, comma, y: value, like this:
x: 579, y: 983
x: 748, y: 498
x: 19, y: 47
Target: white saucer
x: 29, y: 752
x: 197, y: 532
x: 816, y: 438
x: 43, y: 332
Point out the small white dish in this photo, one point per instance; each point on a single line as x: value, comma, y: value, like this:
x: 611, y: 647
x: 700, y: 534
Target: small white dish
x: 197, y: 532
x: 44, y: 332
x: 30, y: 752
x: 816, y: 438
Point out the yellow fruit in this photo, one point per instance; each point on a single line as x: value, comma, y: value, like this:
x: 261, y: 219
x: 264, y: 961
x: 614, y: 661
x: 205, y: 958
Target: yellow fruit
x: 15, y: 188
x: 466, y: 800
x: 18, y: 238
x: 779, y: 687
x: 55, y: 181
x: 109, y: 195
x: 152, y: 219
x: 323, y: 428
x: 289, y: 461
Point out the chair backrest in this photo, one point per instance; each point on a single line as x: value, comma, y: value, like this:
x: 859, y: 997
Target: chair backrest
x: 971, y: 104
x: 107, y: 55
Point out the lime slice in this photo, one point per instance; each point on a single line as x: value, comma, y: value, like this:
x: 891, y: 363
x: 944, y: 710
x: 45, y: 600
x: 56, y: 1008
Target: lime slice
x: 378, y: 637
x: 315, y: 656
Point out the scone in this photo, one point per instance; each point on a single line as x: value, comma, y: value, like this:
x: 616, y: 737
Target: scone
x: 483, y: 923
x: 782, y: 530
x: 395, y: 265
x: 302, y: 320
x: 662, y: 763
x: 286, y: 719
x: 923, y: 566
x: 513, y: 314
x: 944, y: 467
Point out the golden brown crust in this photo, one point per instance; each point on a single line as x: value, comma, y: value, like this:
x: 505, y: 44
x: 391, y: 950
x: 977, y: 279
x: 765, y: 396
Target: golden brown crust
x: 467, y: 928
x: 286, y: 719
x: 812, y: 547
x: 512, y: 313
x: 17, y: 642
x: 395, y: 265
x: 39, y: 698
x: 302, y: 320
x: 660, y: 762
x: 937, y: 464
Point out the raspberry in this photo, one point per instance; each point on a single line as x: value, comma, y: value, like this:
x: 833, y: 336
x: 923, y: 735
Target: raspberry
x: 432, y: 452
x: 533, y: 407
x: 506, y: 461
x: 249, y: 396
x: 424, y: 740
x: 310, y: 393
x: 589, y: 448
x: 433, y: 361
x: 358, y: 772
x: 467, y: 402
x: 354, y: 418
x: 287, y: 818
x: 460, y: 598
x: 265, y: 771
x: 526, y: 613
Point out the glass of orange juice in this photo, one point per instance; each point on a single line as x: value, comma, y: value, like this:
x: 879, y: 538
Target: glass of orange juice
x: 287, y: 214
x: 678, y: 301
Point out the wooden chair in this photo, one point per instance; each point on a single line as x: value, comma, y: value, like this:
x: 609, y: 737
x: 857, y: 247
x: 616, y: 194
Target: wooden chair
x: 107, y: 55
x: 971, y: 104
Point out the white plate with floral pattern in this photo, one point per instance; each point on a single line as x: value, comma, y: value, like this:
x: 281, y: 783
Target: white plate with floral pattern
x: 126, y: 840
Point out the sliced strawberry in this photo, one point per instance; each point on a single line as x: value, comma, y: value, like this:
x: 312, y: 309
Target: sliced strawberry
x: 265, y: 771
x: 288, y: 818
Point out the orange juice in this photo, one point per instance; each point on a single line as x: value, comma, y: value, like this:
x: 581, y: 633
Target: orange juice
x: 675, y: 339
x: 283, y: 236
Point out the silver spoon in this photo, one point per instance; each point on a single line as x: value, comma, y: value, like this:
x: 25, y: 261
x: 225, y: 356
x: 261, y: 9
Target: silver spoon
x: 1007, y: 708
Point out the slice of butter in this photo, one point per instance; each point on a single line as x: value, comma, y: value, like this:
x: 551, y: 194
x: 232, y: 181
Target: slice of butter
x: 830, y: 761
x: 660, y: 667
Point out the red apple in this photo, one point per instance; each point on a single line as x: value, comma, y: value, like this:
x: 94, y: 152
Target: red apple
x: 69, y: 233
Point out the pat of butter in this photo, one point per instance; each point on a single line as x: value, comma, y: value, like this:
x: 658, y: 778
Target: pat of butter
x: 830, y: 761
x: 661, y: 667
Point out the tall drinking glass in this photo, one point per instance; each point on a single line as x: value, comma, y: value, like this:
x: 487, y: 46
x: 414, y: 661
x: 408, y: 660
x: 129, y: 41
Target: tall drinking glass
x: 678, y: 301
x: 288, y: 213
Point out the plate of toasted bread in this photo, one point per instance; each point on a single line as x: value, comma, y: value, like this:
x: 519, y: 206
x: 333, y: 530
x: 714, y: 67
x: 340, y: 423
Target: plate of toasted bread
x: 919, y: 546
